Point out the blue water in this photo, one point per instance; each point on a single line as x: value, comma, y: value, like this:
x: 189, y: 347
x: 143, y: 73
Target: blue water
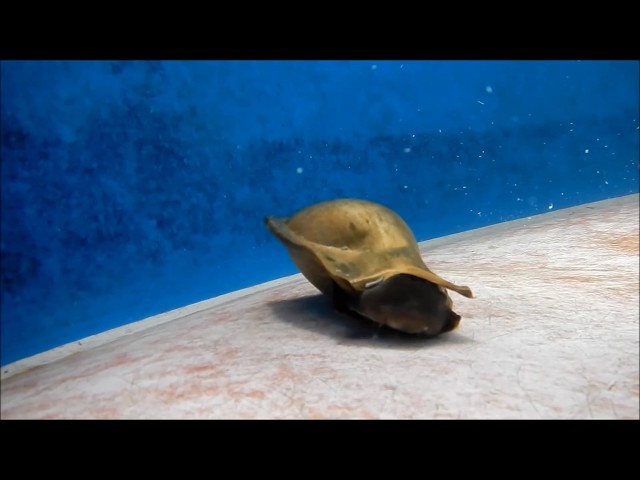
x: 131, y: 188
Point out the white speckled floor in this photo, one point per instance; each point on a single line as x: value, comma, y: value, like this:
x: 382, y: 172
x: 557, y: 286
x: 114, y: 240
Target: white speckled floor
x: 552, y: 333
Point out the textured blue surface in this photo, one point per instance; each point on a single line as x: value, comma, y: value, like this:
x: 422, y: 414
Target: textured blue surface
x: 130, y: 188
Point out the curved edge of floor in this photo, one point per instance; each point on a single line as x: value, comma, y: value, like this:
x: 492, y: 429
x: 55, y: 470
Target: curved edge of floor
x: 63, y: 351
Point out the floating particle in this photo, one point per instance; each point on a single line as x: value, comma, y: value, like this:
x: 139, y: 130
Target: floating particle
x: 550, y: 206
x: 488, y: 89
x: 481, y: 103
x: 374, y: 67
x: 299, y: 170
x: 586, y: 150
x: 407, y: 150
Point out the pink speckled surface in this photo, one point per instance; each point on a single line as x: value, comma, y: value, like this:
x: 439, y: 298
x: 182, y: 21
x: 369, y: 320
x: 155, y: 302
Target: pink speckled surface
x: 552, y: 333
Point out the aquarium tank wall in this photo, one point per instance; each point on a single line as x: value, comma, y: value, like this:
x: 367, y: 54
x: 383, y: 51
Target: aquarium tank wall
x: 130, y: 188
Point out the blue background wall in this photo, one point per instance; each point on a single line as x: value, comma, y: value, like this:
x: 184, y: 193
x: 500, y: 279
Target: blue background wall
x: 130, y: 188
